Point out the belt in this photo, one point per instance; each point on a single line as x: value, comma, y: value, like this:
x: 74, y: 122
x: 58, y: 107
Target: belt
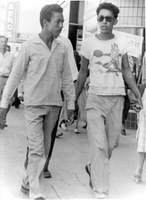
x: 4, y: 76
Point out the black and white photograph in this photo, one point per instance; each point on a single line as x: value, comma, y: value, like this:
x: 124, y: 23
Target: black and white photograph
x: 72, y: 100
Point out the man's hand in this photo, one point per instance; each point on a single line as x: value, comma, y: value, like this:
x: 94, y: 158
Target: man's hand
x: 21, y: 98
x: 3, y: 113
x: 138, y: 106
x: 139, y: 101
x: 70, y: 114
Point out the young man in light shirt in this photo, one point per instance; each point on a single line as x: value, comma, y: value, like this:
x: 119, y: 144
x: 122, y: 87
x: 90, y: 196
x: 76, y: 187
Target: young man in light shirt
x: 106, y: 58
x: 43, y: 64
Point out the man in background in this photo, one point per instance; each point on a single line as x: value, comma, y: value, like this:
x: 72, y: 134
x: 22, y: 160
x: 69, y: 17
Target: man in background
x: 6, y: 63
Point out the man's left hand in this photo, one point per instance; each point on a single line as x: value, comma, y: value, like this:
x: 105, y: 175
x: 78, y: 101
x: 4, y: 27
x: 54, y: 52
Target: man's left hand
x: 70, y: 114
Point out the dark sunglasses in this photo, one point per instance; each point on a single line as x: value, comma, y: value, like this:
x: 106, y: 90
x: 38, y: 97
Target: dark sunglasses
x: 107, y: 18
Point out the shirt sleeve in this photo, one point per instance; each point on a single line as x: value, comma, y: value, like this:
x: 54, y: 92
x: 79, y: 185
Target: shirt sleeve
x: 84, y: 49
x: 15, y: 77
x: 67, y: 83
x: 72, y: 63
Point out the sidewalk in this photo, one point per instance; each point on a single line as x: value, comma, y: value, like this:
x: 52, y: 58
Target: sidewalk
x: 69, y: 179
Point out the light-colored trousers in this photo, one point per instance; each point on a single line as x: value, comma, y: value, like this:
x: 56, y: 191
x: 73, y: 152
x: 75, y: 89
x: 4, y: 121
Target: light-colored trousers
x: 40, y: 121
x: 104, y: 119
x: 2, y: 85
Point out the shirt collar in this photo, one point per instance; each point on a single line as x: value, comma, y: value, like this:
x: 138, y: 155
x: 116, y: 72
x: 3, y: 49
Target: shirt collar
x: 36, y: 39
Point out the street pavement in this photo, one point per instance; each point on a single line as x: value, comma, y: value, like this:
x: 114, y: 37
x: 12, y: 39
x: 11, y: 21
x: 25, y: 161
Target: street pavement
x: 71, y: 153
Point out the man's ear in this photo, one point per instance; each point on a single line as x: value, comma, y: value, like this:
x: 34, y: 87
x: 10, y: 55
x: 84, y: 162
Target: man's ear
x: 115, y: 21
x: 44, y: 22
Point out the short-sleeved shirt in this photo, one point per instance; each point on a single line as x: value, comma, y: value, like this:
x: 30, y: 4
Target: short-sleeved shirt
x: 105, y: 57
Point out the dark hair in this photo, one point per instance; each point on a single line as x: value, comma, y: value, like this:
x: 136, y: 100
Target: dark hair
x: 47, y: 12
x: 109, y: 6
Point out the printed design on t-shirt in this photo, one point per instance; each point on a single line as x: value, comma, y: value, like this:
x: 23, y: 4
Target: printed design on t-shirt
x: 113, y: 65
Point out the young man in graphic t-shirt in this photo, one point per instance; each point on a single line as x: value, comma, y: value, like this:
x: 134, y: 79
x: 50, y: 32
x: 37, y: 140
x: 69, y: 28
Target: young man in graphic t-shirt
x: 105, y: 57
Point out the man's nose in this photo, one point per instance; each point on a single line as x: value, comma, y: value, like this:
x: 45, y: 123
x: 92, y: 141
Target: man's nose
x: 61, y: 24
x: 104, y: 20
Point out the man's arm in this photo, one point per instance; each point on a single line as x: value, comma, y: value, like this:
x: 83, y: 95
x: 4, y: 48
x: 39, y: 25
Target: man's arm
x: 83, y: 73
x: 68, y: 88
x: 129, y: 78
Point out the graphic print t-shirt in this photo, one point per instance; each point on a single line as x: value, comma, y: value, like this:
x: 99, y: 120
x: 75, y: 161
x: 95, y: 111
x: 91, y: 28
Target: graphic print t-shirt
x: 105, y: 65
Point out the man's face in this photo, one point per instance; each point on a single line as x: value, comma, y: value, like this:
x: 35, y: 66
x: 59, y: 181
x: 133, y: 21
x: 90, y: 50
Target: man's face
x: 3, y: 43
x: 106, y: 21
x: 56, y: 24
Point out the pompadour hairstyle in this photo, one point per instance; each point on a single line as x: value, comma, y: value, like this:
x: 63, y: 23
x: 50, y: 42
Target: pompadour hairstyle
x: 109, y: 6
